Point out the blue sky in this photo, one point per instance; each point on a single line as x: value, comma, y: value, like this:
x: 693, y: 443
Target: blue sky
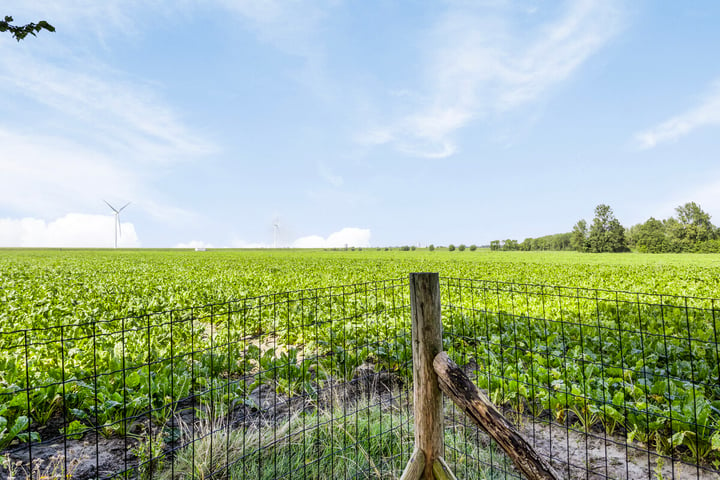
x: 364, y: 123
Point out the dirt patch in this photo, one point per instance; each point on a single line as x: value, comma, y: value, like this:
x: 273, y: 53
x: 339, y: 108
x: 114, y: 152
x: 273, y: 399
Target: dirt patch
x: 575, y: 454
x: 592, y: 456
x: 96, y: 456
x: 92, y: 457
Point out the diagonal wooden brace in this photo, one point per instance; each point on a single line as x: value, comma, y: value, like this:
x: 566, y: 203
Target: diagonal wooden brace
x: 456, y: 385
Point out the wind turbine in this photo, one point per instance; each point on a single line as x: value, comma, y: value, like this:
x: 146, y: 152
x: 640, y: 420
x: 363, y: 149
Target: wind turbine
x: 117, y: 219
x: 276, y: 227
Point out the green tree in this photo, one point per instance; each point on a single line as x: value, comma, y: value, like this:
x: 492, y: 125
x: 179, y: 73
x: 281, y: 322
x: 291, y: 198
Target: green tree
x: 431, y: 247
x: 695, y: 224
x: 631, y: 235
x: 495, y: 245
x: 650, y: 237
x: 606, y: 234
x: 22, y: 31
x: 451, y: 247
x: 561, y: 241
x: 510, y: 244
x: 473, y: 247
x: 579, y: 237
x: 461, y: 247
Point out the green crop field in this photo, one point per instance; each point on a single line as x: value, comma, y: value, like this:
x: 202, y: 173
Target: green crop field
x: 51, y: 287
x: 85, y: 291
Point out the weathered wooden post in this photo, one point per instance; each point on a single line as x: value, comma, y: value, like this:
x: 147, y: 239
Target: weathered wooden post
x: 432, y: 371
x: 427, y: 398
x: 456, y: 385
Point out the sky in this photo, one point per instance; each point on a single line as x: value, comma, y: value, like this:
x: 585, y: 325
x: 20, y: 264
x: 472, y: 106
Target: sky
x: 325, y: 123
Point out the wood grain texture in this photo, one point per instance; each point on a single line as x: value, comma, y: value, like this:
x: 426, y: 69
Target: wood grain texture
x: 456, y: 385
x: 414, y: 468
x: 426, y: 344
x: 442, y: 471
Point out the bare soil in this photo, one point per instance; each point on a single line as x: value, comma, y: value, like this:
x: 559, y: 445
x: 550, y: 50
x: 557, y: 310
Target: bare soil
x: 593, y: 456
x: 575, y: 454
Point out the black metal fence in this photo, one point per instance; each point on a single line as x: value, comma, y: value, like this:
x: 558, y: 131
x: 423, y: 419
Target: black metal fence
x: 316, y: 384
x: 306, y: 384
x: 605, y: 384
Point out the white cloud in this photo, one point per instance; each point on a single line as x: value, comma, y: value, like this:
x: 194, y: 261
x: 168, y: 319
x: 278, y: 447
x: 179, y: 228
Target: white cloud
x: 74, y: 230
x: 195, y: 244
x: 349, y: 236
x: 707, y: 113
x: 311, y: 241
x: 484, y: 61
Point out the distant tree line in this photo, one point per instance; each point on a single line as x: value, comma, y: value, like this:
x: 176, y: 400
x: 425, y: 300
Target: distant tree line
x: 461, y: 247
x: 689, y: 231
x: 558, y: 241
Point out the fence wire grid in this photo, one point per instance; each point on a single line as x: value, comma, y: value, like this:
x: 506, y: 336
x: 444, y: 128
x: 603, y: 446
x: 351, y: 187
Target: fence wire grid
x: 317, y: 384
x: 604, y: 384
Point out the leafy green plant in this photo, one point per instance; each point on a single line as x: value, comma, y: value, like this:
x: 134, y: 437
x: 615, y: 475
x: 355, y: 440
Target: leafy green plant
x: 16, y: 430
x: 133, y: 318
x: 75, y: 430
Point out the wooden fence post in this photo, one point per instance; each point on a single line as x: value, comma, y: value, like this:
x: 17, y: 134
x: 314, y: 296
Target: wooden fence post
x: 426, y: 344
x: 456, y: 385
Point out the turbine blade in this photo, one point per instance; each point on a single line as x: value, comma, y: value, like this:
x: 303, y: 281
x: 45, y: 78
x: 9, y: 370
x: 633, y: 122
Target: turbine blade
x: 128, y: 203
x: 113, y: 208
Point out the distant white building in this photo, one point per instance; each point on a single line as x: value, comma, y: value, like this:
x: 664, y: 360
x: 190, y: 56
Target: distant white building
x: 200, y: 249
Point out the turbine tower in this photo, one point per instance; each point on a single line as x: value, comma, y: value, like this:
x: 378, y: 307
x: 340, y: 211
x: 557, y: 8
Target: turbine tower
x: 117, y: 219
x: 276, y: 227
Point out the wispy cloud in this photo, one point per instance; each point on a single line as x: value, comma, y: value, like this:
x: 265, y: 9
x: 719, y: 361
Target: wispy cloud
x: 121, y: 114
x: 706, y: 113
x: 289, y: 26
x: 82, y: 18
x: 47, y: 176
x: 94, y: 133
x: 483, y: 61
x: 330, y: 177
x: 44, y: 175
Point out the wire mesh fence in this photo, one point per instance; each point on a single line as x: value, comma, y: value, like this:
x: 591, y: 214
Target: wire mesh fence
x: 306, y: 384
x: 605, y: 384
x: 317, y: 384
